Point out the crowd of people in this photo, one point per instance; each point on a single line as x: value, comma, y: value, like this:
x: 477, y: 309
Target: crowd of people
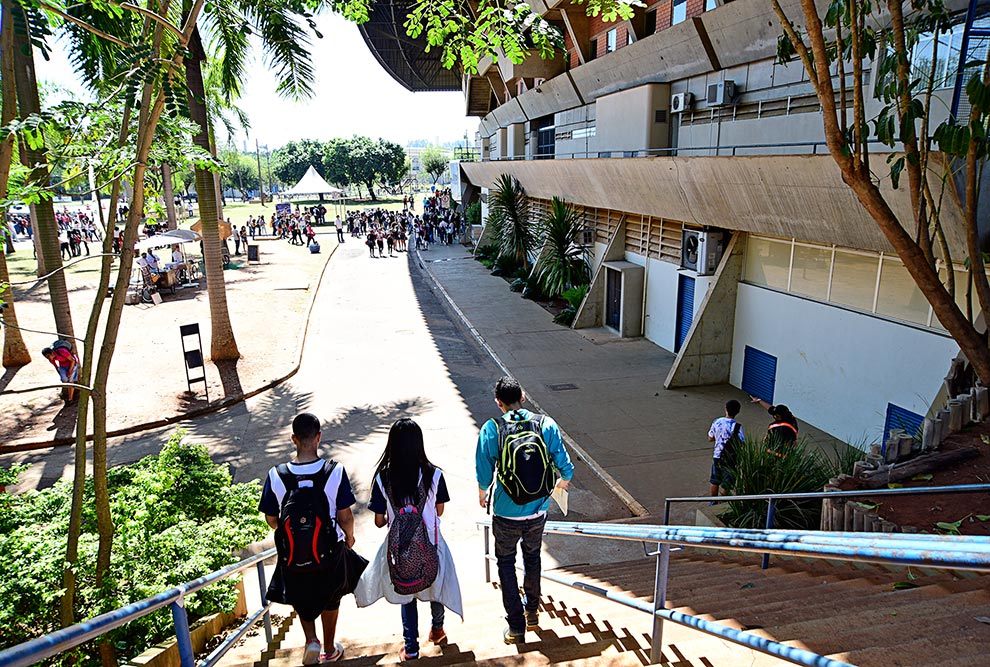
x: 393, y: 231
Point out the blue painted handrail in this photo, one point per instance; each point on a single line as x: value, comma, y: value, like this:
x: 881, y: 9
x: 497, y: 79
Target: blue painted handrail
x: 937, y: 551
x: 62, y: 640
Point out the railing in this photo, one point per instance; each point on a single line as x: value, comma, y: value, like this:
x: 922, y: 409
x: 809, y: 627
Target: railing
x: 57, y: 642
x: 773, y: 498
x: 732, y: 150
x: 936, y: 551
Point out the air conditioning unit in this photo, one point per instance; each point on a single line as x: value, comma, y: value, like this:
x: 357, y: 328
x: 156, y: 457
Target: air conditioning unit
x: 722, y: 93
x: 701, y: 251
x: 681, y: 102
x: 586, y: 237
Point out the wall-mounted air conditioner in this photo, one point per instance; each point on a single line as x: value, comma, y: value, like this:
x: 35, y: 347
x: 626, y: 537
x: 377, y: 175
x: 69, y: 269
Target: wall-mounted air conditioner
x: 722, y: 93
x: 681, y: 102
x: 701, y: 251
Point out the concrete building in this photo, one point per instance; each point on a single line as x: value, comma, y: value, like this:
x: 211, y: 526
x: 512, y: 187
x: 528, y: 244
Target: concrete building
x: 722, y: 230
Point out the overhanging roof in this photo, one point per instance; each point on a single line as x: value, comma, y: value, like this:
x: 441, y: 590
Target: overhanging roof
x: 403, y: 57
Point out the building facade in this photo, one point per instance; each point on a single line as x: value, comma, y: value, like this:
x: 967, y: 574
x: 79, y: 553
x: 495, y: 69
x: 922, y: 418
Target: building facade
x: 722, y: 229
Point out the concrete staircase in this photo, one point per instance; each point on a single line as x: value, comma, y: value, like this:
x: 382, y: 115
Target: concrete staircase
x: 849, y: 612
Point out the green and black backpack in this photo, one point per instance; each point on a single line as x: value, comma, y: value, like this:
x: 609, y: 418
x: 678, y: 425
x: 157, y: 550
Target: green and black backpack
x: 524, y: 467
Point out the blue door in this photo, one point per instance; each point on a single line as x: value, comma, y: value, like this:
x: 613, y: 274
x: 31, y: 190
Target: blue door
x: 759, y: 374
x: 898, y: 417
x: 685, y: 310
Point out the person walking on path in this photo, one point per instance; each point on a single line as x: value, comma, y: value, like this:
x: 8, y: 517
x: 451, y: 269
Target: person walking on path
x: 339, y: 224
x: 307, y: 573
x: 410, y: 491
x: 726, y: 433
x: 517, y: 451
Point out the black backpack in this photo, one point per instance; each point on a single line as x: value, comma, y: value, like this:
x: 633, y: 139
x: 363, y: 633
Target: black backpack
x: 413, y: 560
x: 524, y: 467
x: 306, y: 536
x: 729, y: 448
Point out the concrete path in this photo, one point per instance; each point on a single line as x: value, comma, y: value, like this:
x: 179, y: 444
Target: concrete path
x: 606, y: 392
x: 381, y: 345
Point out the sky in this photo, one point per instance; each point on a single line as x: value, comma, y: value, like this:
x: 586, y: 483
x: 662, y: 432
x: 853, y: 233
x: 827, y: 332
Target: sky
x: 353, y: 95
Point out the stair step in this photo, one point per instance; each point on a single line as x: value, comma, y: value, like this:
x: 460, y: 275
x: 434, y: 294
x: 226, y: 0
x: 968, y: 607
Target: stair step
x: 949, y: 649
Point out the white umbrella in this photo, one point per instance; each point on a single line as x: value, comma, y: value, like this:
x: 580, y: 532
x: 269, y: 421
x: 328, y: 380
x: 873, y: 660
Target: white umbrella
x: 171, y: 237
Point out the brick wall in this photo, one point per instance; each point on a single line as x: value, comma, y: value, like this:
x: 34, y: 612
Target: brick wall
x: 695, y: 8
x: 663, y: 15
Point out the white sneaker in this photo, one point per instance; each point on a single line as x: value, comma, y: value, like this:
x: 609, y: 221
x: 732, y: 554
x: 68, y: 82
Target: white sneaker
x: 312, y: 654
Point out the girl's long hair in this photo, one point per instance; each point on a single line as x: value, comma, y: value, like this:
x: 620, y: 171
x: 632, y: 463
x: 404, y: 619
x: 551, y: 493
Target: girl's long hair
x: 403, y: 461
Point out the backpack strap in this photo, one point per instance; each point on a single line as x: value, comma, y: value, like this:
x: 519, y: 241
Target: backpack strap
x: 735, y: 431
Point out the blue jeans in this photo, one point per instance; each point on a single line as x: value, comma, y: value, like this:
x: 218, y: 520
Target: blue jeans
x: 410, y: 624
x: 508, y: 534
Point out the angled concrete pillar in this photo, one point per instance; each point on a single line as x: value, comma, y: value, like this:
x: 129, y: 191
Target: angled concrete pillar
x: 706, y: 355
x: 578, y: 27
x: 591, y: 312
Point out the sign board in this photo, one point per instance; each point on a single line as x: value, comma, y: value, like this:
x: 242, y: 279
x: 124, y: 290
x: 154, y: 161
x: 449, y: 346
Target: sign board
x: 283, y: 209
x: 455, y: 179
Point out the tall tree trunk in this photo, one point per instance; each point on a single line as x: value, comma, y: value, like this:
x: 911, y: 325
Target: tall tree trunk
x: 28, y: 104
x: 15, y: 352
x: 169, y: 195
x: 371, y: 192
x: 222, y: 342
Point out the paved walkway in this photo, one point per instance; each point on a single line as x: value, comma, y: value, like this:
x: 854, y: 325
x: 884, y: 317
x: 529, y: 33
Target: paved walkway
x: 606, y: 392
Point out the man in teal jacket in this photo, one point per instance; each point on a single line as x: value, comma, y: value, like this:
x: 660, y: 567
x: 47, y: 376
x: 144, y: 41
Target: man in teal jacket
x: 513, y: 523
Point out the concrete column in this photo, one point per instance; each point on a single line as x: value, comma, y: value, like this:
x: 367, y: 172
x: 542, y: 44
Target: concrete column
x: 516, y: 140
x: 578, y: 24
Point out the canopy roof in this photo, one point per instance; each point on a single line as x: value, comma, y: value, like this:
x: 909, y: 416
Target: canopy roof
x: 171, y: 237
x: 312, y: 184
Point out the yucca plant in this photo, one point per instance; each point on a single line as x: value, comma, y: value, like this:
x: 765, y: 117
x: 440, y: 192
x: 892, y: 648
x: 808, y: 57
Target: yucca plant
x: 757, y: 470
x: 508, y: 209
x: 565, y: 260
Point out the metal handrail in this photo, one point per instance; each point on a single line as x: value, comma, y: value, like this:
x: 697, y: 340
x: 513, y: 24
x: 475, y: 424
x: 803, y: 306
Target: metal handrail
x: 938, y: 551
x: 772, y: 499
x: 39, y: 648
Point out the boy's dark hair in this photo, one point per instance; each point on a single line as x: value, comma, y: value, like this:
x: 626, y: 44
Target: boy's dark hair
x: 305, y: 426
x: 46, y: 351
x: 508, y: 390
x: 732, y: 407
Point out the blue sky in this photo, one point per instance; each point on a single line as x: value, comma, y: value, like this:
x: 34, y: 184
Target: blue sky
x: 354, y: 95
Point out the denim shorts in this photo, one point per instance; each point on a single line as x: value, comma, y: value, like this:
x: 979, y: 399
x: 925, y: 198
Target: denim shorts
x: 720, y: 476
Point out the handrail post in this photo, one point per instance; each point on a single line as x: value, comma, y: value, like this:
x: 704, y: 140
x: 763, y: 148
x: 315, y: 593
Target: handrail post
x: 182, y: 637
x: 488, y: 553
x: 659, y: 602
x: 262, y: 587
x: 666, y: 512
x: 771, y: 508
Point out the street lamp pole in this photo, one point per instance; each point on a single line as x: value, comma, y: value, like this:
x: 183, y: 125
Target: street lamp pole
x: 261, y: 182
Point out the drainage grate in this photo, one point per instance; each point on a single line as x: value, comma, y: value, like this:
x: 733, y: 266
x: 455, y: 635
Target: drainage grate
x: 566, y: 386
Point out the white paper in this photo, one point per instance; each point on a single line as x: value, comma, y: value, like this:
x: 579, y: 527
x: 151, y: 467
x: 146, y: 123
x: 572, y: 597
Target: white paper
x: 559, y: 496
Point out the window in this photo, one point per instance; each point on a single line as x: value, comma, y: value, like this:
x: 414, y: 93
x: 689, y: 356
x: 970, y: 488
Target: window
x: 768, y: 262
x: 899, y: 296
x: 854, y: 280
x: 610, y: 40
x: 593, y: 50
x: 629, y: 37
x: 809, y: 273
x: 680, y: 12
x: 651, y: 22
x: 962, y: 280
x: 710, y: 5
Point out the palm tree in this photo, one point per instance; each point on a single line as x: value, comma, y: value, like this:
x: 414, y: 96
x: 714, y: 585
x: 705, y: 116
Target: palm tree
x: 564, y: 262
x: 509, y: 212
x: 15, y: 352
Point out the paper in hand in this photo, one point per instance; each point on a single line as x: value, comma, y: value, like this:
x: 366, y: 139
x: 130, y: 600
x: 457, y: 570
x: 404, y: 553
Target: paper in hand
x: 559, y: 496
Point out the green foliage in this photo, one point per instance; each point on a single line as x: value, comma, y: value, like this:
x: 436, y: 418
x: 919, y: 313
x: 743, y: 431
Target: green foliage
x: 177, y: 516
x: 757, y: 470
x: 489, y: 252
x: 504, y: 265
x: 575, y: 295
x: 518, y: 285
x: 472, y: 214
x: 509, y: 214
x: 354, y: 161
x: 565, y: 261
x: 434, y: 161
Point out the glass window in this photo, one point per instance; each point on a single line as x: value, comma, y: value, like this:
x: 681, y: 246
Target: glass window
x: 593, y: 51
x: 680, y: 12
x: 854, y: 280
x: 651, y: 21
x: 809, y: 275
x: 962, y: 282
x: 768, y: 262
x: 899, y: 296
x: 610, y: 41
x: 710, y: 5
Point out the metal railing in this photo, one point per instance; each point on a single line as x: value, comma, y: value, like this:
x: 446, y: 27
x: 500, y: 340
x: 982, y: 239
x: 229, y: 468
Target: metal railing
x: 905, y: 549
x: 773, y: 498
x: 732, y: 150
x: 62, y: 640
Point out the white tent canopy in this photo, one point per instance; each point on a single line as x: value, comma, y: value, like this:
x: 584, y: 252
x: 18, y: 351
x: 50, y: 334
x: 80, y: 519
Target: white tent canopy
x: 313, y: 184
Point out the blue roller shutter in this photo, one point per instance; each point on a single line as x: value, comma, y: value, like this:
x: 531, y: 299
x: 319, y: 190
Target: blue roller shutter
x: 685, y: 310
x: 759, y: 374
x: 898, y: 417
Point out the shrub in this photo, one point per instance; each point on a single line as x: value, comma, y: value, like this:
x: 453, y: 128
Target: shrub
x: 565, y: 261
x: 518, y: 285
x: 472, y: 214
x: 486, y: 252
x: 177, y: 516
x: 505, y: 265
x: 756, y: 471
x: 566, y: 316
x: 509, y: 213
x: 575, y: 295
